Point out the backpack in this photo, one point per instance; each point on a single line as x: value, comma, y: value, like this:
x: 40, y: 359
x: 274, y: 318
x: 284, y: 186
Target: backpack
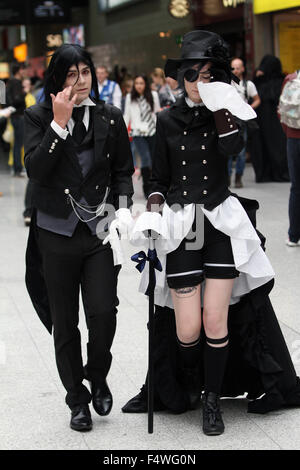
x: 289, y: 103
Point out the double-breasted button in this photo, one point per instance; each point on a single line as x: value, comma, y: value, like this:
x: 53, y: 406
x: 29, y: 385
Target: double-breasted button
x: 226, y: 114
x: 204, y: 191
x: 112, y: 122
x: 183, y: 162
x: 184, y: 193
x: 231, y: 125
x: 184, y: 178
x: 182, y: 147
x: 67, y: 191
x: 205, y: 134
x: 228, y: 119
x: 184, y: 132
x: 204, y: 162
x: 205, y: 177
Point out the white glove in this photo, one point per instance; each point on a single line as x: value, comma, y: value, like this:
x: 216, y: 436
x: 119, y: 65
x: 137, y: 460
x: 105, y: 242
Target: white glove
x: 220, y: 95
x: 121, y: 225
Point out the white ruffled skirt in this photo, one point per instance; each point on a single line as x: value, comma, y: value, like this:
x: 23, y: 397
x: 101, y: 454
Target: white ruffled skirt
x: 230, y: 218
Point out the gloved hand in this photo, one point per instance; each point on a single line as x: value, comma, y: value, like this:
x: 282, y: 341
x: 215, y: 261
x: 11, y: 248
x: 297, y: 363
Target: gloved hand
x: 121, y: 225
x: 155, y: 203
x: 219, y: 95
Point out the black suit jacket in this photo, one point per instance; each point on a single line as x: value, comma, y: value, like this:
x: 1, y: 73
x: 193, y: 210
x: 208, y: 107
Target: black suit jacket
x: 53, y: 166
x: 190, y: 157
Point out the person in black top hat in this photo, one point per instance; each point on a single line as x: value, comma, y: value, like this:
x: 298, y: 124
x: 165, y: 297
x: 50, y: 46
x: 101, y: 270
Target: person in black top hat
x: 190, y: 167
x: 77, y: 155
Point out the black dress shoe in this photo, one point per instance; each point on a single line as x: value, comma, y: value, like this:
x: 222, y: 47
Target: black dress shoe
x: 102, y: 398
x: 212, y: 419
x: 81, y: 418
x: 139, y: 403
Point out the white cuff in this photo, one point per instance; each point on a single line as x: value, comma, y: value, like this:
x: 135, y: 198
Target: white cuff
x: 62, y: 133
x: 157, y: 192
x: 228, y: 133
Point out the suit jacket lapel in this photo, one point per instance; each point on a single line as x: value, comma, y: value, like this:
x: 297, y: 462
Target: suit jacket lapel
x: 101, y: 125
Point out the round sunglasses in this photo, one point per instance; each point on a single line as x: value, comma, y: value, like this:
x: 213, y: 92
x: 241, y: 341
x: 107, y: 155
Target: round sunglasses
x: 191, y: 75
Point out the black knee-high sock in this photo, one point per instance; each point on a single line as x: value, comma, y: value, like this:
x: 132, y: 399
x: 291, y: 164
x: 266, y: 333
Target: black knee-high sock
x: 215, y: 360
x: 189, y: 353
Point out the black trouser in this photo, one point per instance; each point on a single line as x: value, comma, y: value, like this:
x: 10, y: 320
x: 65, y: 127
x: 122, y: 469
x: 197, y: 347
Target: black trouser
x: 18, y: 125
x: 68, y: 264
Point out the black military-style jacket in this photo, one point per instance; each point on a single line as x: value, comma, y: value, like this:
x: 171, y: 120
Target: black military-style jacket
x: 190, y: 158
x: 53, y: 166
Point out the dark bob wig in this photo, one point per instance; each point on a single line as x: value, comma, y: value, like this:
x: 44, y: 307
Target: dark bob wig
x: 63, y: 58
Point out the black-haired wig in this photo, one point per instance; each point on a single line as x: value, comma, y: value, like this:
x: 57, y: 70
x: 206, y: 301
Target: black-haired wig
x: 63, y: 58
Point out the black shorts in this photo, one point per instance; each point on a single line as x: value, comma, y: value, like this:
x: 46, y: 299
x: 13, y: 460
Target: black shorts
x: 186, y: 268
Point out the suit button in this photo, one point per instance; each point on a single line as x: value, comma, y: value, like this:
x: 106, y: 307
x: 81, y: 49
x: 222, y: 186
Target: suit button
x: 55, y: 140
x: 97, y: 187
x: 53, y: 146
x: 184, y: 178
x: 228, y: 119
x: 231, y: 125
x: 205, y: 177
x: 226, y: 114
x: 182, y: 147
x: 203, y: 147
x: 205, y: 134
x: 112, y: 122
x: 184, y: 132
x: 184, y: 193
x: 204, y: 162
x: 67, y: 191
x: 204, y: 191
x: 107, y: 155
x: 183, y: 162
x: 196, y: 113
x: 50, y: 151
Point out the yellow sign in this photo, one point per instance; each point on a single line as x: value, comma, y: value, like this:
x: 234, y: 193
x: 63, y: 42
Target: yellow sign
x: 263, y: 6
x: 289, y: 51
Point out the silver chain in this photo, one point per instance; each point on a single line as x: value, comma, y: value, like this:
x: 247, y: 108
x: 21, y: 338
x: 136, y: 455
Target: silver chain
x: 97, y: 212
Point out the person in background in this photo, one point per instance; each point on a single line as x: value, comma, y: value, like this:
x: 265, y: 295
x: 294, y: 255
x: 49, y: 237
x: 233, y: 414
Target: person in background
x: 109, y: 91
x: 29, y: 101
x: 15, y: 96
x: 293, y: 156
x: 269, y: 147
x: 249, y: 94
x: 141, y: 106
x: 165, y: 94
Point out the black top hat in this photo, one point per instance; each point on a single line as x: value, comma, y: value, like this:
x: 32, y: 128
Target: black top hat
x: 195, y: 45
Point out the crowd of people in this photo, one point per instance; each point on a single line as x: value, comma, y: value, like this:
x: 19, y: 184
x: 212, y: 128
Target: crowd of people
x: 141, y: 98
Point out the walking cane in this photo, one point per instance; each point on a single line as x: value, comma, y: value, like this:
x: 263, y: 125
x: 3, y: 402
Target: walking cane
x: 154, y: 263
x: 150, y: 337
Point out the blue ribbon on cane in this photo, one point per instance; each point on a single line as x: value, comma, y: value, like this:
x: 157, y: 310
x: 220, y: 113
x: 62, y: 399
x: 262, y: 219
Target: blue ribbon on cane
x: 141, y: 258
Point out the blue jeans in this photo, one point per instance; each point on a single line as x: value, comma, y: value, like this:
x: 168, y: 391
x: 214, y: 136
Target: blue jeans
x: 240, y: 159
x: 144, y: 146
x: 18, y: 125
x: 293, y: 156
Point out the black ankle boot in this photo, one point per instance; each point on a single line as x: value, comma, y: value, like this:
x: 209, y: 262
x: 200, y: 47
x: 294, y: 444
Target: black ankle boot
x: 212, y: 419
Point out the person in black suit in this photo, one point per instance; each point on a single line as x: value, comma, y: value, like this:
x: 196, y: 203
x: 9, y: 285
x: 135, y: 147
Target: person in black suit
x: 77, y: 155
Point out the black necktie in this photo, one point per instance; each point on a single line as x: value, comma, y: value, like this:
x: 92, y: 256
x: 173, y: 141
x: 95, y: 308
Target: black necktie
x: 79, y: 130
